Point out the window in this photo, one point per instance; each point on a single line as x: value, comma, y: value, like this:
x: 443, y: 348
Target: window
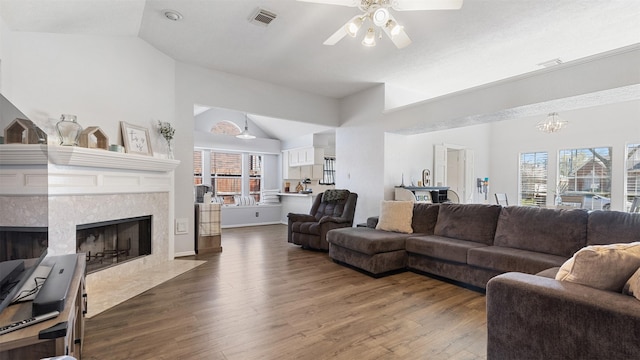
x: 197, y: 167
x: 329, y: 171
x: 225, y: 127
x: 255, y: 176
x: 533, y: 178
x: 229, y: 174
x: 587, y: 172
x: 226, y: 175
x: 633, y: 173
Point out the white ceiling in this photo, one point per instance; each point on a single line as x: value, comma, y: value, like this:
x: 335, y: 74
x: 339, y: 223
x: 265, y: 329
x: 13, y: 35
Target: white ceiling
x: 485, y: 41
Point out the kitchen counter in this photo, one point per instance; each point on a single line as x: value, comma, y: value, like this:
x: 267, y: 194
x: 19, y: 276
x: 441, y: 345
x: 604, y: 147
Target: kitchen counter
x: 295, y: 194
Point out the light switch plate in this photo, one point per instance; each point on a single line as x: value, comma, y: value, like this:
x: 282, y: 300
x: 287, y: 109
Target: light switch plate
x: 181, y: 226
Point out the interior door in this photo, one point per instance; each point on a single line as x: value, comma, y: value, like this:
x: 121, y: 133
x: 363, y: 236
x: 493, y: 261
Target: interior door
x: 439, y: 165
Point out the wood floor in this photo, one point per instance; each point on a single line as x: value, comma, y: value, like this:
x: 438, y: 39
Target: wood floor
x: 263, y: 298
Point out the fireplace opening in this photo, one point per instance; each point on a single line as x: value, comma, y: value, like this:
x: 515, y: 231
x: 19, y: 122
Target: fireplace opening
x: 22, y: 242
x: 109, y: 243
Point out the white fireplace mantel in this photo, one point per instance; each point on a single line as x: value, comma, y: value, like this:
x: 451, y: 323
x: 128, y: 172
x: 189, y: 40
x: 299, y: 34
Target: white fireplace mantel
x: 69, y: 170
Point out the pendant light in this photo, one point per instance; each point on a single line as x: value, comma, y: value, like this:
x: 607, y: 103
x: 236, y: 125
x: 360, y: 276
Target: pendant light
x: 244, y: 135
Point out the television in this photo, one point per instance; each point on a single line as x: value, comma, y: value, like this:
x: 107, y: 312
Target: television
x: 23, y: 220
x: 21, y: 252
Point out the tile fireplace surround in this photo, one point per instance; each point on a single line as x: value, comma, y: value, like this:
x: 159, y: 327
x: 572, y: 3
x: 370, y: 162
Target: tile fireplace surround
x: 83, y: 186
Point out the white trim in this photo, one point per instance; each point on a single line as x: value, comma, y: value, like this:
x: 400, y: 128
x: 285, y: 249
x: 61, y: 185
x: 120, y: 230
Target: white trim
x: 250, y: 224
x: 185, y: 253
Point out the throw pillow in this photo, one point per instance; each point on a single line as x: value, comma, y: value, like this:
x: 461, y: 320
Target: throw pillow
x: 605, y: 267
x: 632, y: 287
x: 396, y: 216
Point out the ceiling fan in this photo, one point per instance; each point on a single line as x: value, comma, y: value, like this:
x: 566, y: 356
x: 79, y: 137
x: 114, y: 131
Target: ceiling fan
x: 376, y: 12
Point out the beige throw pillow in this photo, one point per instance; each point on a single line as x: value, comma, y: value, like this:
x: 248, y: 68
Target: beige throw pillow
x: 632, y: 287
x: 396, y: 216
x: 605, y: 267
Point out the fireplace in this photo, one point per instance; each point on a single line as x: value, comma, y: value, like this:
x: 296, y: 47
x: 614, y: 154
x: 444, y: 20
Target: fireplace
x: 80, y: 186
x: 22, y: 242
x: 113, y: 242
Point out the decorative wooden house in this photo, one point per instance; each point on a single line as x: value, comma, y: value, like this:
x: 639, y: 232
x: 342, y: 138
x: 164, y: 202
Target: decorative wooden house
x: 23, y: 131
x: 94, y: 137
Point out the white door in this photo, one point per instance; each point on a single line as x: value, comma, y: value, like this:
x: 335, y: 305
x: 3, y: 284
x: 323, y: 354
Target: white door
x: 439, y: 165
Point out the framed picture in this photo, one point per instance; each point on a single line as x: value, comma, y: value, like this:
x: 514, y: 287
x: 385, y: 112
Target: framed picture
x: 136, y: 139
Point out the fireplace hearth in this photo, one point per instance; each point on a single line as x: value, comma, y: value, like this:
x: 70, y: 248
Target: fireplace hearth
x: 113, y: 242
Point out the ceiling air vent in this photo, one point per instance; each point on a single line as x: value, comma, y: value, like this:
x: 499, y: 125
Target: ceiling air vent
x: 262, y: 17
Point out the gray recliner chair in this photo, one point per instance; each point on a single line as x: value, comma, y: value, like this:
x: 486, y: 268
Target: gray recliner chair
x: 332, y: 209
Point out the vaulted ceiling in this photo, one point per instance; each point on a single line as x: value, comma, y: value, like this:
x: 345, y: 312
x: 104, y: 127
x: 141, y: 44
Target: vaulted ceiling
x: 484, y: 41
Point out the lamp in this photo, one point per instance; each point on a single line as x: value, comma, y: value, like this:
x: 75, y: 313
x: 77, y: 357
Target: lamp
x: 369, y: 38
x: 244, y: 135
x: 553, y: 123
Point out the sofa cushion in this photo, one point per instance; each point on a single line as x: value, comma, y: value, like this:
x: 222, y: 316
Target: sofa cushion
x: 605, y: 267
x: 510, y: 259
x: 608, y: 227
x: 425, y: 217
x: 396, y: 216
x: 366, y: 240
x: 556, y: 232
x: 473, y: 222
x: 441, y: 247
x: 549, y: 273
x: 306, y: 227
x: 632, y: 287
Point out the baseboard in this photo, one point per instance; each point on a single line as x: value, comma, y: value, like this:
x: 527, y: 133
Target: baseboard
x: 184, y: 253
x: 250, y: 224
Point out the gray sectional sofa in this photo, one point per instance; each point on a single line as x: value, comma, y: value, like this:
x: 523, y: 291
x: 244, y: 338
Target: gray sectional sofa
x: 514, y: 252
x: 470, y: 243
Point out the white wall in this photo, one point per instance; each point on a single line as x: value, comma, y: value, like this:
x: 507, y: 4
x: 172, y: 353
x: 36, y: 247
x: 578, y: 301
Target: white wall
x: 102, y: 80
x: 613, y: 125
x: 360, y: 154
x: 476, y: 138
x: 195, y: 85
x: 371, y: 162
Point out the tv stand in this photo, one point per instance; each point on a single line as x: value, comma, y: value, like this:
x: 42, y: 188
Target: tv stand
x: 58, y: 336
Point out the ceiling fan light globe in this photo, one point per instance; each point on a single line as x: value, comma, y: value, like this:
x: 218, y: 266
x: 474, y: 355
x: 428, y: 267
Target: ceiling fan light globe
x: 353, y: 26
x: 370, y: 38
x: 380, y: 16
x: 394, y: 28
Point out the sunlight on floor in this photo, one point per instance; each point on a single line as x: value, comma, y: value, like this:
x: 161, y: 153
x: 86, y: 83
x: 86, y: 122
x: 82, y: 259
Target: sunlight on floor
x: 106, y: 294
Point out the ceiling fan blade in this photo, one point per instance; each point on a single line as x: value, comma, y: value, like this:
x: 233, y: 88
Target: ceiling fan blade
x: 399, y: 37
x: 338, y: 35
x: 350, y: 3
x: 410, y: 5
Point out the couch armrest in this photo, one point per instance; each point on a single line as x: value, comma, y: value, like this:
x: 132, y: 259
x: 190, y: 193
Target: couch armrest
x: 533, y: 317
x: 372, y: 221
x: 338, y: 220
x: 301, y: 217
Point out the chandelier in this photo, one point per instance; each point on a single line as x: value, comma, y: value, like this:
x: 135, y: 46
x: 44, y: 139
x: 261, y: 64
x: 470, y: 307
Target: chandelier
x: 553, y: 123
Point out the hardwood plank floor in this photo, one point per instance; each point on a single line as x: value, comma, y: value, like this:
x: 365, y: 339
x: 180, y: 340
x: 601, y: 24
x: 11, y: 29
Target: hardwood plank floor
x: 263, y: 298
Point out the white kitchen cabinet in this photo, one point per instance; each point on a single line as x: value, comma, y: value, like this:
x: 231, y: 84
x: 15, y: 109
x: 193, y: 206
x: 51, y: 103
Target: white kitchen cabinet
x: 313, y: 172
x: 305, y: 156
x: 289, y: 172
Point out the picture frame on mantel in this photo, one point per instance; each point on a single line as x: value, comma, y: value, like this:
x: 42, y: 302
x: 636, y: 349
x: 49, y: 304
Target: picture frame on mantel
x: 135, y: 139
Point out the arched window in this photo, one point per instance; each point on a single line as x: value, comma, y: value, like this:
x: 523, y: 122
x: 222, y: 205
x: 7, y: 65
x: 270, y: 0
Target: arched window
x: 226, y: 127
